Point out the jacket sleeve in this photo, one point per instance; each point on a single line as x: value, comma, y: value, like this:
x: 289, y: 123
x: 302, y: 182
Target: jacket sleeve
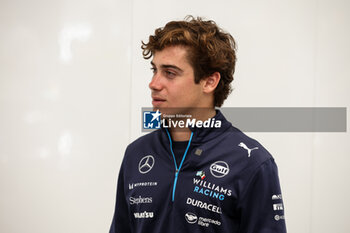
x: 121, y: 221
x: 261, y: 206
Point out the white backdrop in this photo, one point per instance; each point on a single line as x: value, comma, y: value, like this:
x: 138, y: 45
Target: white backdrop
x: 73, y: 81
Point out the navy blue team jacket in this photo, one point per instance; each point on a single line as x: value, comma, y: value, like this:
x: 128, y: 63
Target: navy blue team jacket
x: 226, y: 182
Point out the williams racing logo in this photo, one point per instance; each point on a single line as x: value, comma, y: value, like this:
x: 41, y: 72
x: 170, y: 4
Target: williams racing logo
x: 201, y: 174
x: 211, y: 190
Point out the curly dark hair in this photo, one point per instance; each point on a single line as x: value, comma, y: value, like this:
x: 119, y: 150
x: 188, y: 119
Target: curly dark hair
x: 210, y: 49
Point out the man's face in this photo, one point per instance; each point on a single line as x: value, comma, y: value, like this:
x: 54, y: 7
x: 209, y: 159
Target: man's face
x: 173, y: 83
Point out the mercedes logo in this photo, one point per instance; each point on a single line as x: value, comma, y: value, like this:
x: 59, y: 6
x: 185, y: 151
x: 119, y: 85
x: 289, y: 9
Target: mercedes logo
x: 146, y: 164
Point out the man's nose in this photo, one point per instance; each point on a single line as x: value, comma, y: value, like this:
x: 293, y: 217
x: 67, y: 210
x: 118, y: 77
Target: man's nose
x: 155, y: 83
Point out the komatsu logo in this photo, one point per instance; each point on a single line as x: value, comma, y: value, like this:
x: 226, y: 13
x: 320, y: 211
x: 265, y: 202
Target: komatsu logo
x: 144, y: 214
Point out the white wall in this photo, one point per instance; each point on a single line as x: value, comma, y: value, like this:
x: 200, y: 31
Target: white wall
x: 73, y: 81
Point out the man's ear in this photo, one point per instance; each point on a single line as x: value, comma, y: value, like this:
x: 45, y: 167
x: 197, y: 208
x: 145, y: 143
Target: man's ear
x: 211, y: 82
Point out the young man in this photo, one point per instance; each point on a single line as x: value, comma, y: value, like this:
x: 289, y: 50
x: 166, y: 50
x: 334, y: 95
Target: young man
x: 195, y: 177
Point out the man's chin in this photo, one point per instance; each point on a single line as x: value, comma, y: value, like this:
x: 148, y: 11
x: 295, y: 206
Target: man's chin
x: 165, y: 110
x: 172, y: 111
x: 155, y: 108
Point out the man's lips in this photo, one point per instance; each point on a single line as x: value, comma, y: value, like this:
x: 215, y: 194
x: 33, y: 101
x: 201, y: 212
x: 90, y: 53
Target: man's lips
x: 157, y: 100
x: 154, y: 98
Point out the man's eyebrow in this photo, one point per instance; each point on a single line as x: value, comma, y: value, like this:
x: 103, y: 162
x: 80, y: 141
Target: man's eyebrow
x: 169, y: 66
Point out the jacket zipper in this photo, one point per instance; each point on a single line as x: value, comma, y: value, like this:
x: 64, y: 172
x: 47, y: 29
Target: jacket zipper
x: 177, y: 169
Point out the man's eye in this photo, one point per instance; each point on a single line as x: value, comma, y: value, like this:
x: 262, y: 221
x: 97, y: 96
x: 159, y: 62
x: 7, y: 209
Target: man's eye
x: 170, y: 74
x: 153, y: 69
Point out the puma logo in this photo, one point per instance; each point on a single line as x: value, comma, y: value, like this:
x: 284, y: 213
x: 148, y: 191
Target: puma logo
x: 248, y: 149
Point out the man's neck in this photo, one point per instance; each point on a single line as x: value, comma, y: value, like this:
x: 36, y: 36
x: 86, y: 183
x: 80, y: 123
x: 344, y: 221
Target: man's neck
x: 184, y: 134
